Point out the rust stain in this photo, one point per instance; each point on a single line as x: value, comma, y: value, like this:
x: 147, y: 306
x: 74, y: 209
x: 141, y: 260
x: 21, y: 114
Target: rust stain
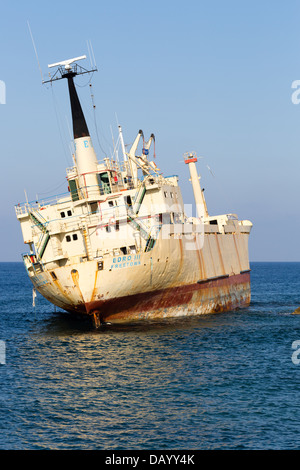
x: 94, y: 289
x: 212, y: 296
x: 180, y: 260
x: 65, y: 302
x: 97, y: 319
x: 237, y: 251
x: 198, y: 255
x: 220, y: 254
x: 202, y: 265
x: 61, y: 289
x: 211, y: 256
x: 60, y: 303
x: 75, y: 277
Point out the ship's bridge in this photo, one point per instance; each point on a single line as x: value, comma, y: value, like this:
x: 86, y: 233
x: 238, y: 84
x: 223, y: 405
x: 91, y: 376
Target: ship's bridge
x: 111, y: 178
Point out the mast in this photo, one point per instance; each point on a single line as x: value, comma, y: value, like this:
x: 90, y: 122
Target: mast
x: 80, y: 128
x: 122, y: 143
x: 85, y: 156
x: 190, y: 159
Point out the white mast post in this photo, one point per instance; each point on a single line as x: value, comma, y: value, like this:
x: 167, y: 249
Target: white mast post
x: 122, y: 144
x: 190, y: 159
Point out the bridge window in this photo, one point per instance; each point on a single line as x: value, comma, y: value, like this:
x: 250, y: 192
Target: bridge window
x: 128, y: 200
x: 166, y: 218
x: 104, y: 183
x: 63, y: 214
x: 94, y: 207
x: 73, y: 190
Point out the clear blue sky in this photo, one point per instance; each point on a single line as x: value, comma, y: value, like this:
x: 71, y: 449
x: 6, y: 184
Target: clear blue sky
x: 209, y: 76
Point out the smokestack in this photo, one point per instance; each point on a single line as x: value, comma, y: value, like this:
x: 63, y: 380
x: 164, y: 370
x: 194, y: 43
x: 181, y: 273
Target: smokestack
x: 85, y: 155
x: 80, y: 128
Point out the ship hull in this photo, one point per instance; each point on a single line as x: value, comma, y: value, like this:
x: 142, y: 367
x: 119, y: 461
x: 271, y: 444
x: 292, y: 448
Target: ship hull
x: 170, y: 281
x: 214, y: 296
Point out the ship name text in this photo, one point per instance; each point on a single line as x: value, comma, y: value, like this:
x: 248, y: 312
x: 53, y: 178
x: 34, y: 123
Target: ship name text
x: 126, y: 261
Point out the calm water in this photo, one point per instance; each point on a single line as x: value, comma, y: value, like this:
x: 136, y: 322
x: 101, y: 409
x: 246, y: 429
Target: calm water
x: 224, y: 381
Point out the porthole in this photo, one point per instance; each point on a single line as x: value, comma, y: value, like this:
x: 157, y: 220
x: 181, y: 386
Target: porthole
x: 100, y: 265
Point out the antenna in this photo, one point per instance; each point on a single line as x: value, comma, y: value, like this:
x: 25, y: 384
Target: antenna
x: 122, y: 143
x: 91, y: 53
x: 67, y: 63
x: 94, y: 60
x: 35, y: 49
x: 68, y: 67
x: 115, y: 147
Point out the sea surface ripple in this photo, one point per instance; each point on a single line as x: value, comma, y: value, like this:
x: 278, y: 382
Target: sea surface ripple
x: 223, y: 381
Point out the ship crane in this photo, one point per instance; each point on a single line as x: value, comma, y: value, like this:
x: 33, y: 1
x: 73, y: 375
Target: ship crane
x: 142, y: 160
x: 190, y: 158
x: 132, y: 156
x: 147, y: 145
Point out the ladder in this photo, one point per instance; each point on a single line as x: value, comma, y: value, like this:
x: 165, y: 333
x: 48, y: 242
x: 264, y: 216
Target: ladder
x: 152, y: 238
x: 139, y: 197
x: 45, y: 236
x: 137, y: 224
x: 87, y: 242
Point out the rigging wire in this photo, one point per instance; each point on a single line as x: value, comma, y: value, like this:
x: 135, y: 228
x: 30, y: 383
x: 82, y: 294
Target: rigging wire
x: 53, y: 189
x: 94, y: 110
x: 59, y: 125
x: 95, y: 120
x: 86, y: 84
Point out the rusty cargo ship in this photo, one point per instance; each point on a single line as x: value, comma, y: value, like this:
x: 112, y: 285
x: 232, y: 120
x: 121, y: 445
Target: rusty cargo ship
x: 119, y: 247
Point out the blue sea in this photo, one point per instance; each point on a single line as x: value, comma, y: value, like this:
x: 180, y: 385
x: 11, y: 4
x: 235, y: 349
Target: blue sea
x: 226, y: 381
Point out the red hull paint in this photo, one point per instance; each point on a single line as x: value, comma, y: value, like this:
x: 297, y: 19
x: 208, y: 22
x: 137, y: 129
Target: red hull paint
x: 211, y: 296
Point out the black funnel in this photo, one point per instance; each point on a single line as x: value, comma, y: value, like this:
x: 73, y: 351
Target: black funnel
x: 80, y: 128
